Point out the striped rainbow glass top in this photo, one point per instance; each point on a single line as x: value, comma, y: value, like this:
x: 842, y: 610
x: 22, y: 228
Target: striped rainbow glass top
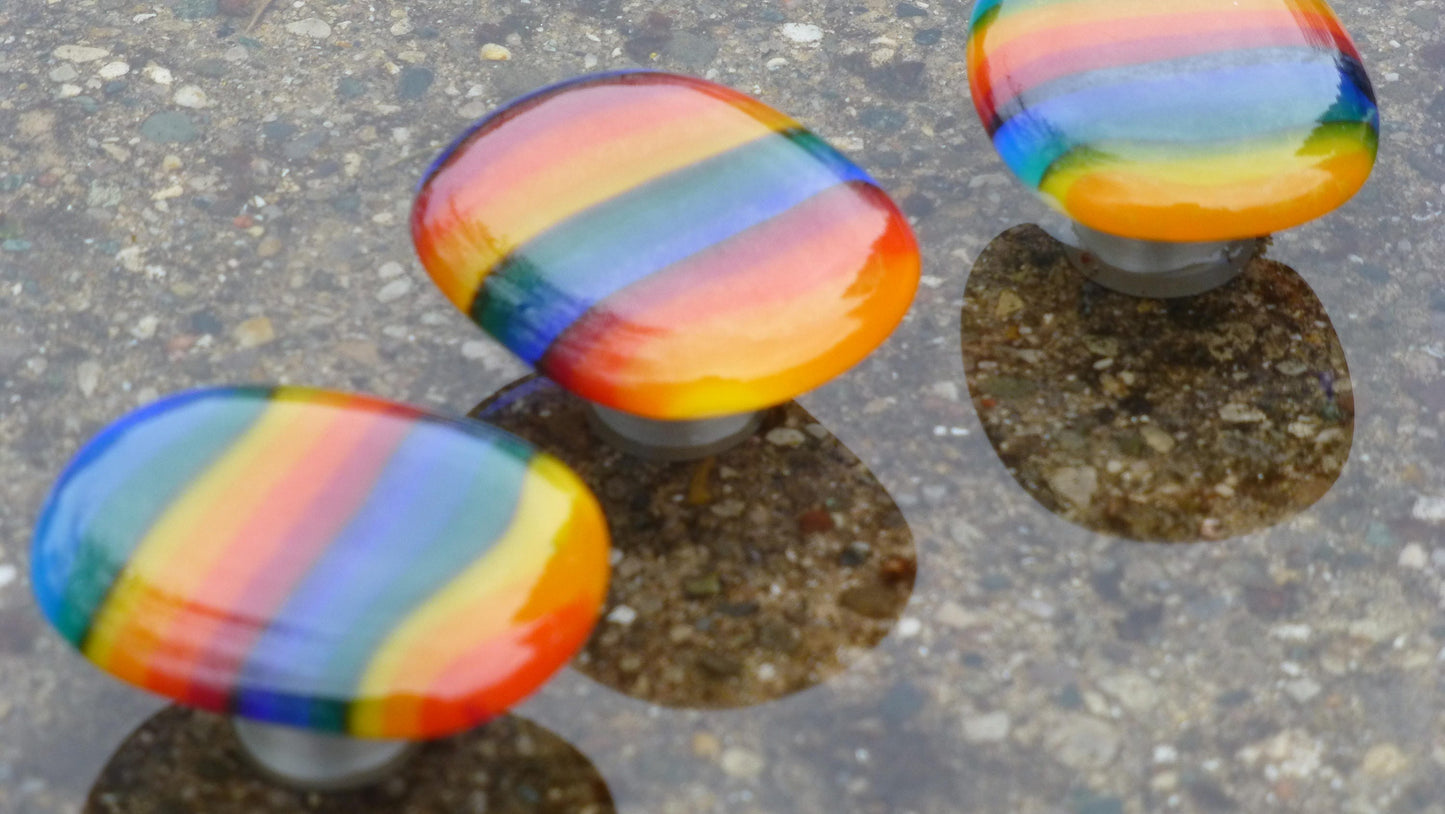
x: 322, y: 560
x: 1187, y: 120
x: 664, y: 245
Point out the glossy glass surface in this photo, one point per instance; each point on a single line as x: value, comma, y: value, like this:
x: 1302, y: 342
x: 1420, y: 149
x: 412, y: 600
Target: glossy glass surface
x: 664, y: 245
x: 1198, y: 120
x: 321, y: 560
x: 1038, y: 667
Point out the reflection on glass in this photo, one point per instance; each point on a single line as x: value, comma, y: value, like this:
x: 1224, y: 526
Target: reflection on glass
x: 187, y: 761
x: 1171, y: 420
x: 1198, y: 120
x: 321, y: 560
x: 665, y: 246
x: 738, y: 578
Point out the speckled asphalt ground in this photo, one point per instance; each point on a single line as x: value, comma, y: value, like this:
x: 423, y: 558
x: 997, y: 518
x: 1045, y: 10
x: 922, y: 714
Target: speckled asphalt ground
x: 187, y: 198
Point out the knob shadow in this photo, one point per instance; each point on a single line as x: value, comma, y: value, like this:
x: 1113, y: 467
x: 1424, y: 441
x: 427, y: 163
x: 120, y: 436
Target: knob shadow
x: 738, y: 578
x: 185, y: 760
x: 1191, y: 419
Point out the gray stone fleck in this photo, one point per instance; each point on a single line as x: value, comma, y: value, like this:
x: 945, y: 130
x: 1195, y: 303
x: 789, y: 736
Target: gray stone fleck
x: 1429, y: 508
x: 195, y: 9
x: 786, y: 437
x: 1083, y: 742
x: 313, y: 27
x: 413, y: 83
x: 394, y: 290
x: 304, y: 145
x: 1074, y: 484
x: 169, y: 127
x: 990, y: 727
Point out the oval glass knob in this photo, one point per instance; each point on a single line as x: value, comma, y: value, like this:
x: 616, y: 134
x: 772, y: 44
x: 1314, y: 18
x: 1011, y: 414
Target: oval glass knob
x: 320, y: 562
x: 1174, y: 135
x: 674, y: 251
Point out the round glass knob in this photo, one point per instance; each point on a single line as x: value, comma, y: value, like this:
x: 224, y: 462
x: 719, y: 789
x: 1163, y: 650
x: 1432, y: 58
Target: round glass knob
x: 319, y: 562
x: 673, y: 251
x: 1174, y: 135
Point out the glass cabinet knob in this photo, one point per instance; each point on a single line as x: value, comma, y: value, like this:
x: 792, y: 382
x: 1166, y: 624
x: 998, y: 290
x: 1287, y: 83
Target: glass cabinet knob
x: 671, y: 250
x: 1174, y: 135
x: 342, y: 575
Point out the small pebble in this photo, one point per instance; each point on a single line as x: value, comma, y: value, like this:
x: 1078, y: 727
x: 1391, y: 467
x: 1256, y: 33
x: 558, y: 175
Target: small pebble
x: 394, y: 290
x: 872, y: 601
x: 806, y: 33
x: 1236, y: 413
x: 990, y: 727
x: 80, y: 53
x: 1413, y: 556
x: 1075, y: 484
x: 8, y: 573
x: 622, y: 615
x: 255, y: 332
x: 87, y: 377
x: 475, y: 349
x: 270, y: 246
x: 492, y: 52
x: 169, y: 127
x: 190, y: 96
x: 956, y: 616
x: 705, y: 745
x: 785, y: 437
x: 1302, y: 690
x: 158, y: 74
x: 719, y: 665
x: 1157, y: 439
x: 703, y: 586
x: 145, y: 327
x: 313, y: 27
x: 741, y: 763
x: 815, y: 521
x: 114, y: 70
x: 414, y: 83
x: 732, y: 507
x: 855, y: 554
x: 1429, y: 509
x: 1384, y: 760
x: 1037, y: 608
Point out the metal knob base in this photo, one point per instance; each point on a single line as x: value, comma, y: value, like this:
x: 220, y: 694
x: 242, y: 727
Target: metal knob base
x: 659, y: 440
x: 317, y: 760
x: 1148, y: 268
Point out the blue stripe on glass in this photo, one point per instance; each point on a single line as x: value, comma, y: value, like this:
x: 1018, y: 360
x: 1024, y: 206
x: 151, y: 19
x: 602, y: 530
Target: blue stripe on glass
x: 534, y: 295
x: 1213, y: 106
x: 439, y: 504
x: 115, y: 488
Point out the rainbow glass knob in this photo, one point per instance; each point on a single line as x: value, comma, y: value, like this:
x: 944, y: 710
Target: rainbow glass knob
x: 312, y: 561
x: 1193, y: 124
x: 665, y: 247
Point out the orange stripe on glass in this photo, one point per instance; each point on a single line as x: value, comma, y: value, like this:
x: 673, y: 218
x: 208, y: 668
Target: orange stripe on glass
x: 1131, y: 202
x: 519, y: 584
x: 774, y: 311
x: 497, y: 675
